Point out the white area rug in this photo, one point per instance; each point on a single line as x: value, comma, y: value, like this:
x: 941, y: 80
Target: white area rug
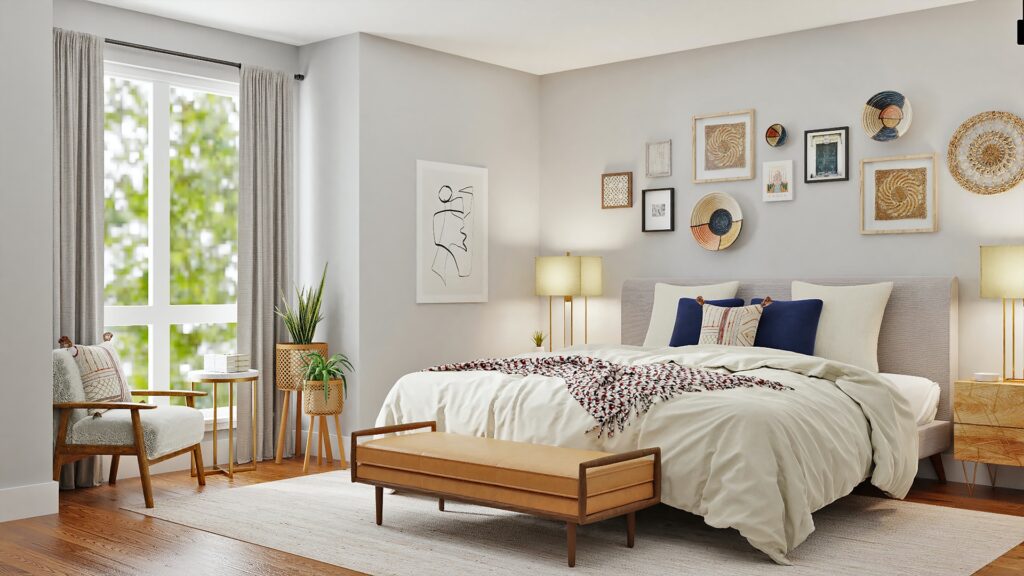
x: 328, y: 518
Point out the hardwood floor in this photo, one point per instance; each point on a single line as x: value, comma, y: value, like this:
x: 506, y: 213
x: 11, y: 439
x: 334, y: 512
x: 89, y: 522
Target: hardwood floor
x: 92, y: 535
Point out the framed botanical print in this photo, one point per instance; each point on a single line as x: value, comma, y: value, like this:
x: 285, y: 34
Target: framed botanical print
x: 659, y: 210
x: 723, y: 147
x: 827, y: 155
x: 617, y: 190
x: 658, y: 159
x: 777, y: 181
x: 898, y: 195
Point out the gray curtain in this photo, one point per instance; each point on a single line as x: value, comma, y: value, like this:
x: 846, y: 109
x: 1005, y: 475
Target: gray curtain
x: 264, y: 239
x: 78, y: 204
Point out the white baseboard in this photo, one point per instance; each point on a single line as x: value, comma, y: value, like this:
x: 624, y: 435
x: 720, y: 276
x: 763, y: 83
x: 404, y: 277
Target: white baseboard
x: 20, y: 502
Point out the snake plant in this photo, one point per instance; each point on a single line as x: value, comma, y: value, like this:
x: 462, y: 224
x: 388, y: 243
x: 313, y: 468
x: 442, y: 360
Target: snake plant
x: 302, y: 320
x: 327, y: 369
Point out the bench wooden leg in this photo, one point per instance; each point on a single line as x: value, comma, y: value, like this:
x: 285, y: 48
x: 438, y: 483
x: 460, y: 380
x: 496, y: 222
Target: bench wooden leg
x: 197, y: 459
x: 570, y: 534
x: 378, y: 492
x: 937, y: 464
x: 630, y: 529
x: 114, y: 461
x: 440, y: 504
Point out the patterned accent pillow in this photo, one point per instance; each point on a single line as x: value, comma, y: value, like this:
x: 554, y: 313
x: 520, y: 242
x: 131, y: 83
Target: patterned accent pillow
x: 102, y: 377
x: 730, y: 326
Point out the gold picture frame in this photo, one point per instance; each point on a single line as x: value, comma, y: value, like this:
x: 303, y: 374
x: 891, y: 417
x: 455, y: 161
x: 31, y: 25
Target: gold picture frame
x: 723, y: 147
x: 899, y: 194
x: 617, y: 190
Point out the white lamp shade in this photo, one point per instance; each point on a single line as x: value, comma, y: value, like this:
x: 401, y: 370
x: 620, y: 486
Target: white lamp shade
x: 1002, y: 271
x: 558, y: 275
x: 591, y: 276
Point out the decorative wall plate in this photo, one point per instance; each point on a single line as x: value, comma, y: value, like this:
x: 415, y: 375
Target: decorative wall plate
x: 986, y: 153
x: 775, y: 135
x: 716, y: 221
x: 887, y: 116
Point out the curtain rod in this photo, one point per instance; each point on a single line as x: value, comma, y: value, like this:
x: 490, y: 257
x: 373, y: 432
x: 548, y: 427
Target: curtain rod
x: 182, y: 54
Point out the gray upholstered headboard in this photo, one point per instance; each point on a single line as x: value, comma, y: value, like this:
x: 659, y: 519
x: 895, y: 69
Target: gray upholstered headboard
x: 919, y: 331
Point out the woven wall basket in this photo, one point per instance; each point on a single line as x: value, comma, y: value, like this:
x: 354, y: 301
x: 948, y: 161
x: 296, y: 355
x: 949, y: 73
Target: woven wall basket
x: 289, y: 364
x: 313, y: 402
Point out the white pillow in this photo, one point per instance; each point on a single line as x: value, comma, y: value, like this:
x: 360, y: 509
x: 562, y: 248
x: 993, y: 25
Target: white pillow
x: 922, y: 393
x: 851, y: 318
x: 666, y: 301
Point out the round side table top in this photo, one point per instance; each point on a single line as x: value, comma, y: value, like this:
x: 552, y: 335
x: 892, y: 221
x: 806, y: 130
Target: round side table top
x: 209, y: 376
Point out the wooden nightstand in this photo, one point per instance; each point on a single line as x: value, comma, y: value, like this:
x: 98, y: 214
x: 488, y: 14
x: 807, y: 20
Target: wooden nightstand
x: 988, y: 425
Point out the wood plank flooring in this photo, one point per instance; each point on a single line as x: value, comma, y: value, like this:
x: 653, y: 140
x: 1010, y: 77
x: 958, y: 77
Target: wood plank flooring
x: 92, y: 535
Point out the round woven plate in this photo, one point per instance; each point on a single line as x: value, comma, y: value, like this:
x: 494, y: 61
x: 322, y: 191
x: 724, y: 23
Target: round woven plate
x: 887, y: 116
x: 775, y: 135
x: 986, y: 153
x: 716, y: 221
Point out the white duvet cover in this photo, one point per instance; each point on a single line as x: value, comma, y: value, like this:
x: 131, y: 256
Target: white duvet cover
x: 757, y: 460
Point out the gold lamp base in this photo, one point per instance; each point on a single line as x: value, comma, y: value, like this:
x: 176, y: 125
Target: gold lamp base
x: 1012, y: 375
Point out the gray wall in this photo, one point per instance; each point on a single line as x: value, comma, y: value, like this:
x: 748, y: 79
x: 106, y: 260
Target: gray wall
x: 951, y: 62
x: 26, y: 283
x: 410, y: 103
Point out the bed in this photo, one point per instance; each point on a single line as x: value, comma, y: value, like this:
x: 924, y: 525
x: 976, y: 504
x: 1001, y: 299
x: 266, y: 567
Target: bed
x: 760, y: 461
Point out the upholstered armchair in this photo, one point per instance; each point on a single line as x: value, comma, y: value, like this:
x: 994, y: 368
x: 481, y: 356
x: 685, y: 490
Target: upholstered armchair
x: 117, y: 427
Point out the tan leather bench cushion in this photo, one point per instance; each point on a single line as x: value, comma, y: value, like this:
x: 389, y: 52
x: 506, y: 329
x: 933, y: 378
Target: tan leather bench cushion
x: 514, y: 473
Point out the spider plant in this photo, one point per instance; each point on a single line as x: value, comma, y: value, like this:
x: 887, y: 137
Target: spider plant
x: 327, y: 369
x: 538, y: 338
x: 302, y: 320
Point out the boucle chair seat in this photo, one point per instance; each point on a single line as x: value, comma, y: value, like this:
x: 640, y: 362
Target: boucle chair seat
x: 165, y: 430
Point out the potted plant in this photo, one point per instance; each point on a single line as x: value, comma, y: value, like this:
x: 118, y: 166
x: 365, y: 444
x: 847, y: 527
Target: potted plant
x: 538, y: 340
x: 324, y: 383
x: 301, y: 322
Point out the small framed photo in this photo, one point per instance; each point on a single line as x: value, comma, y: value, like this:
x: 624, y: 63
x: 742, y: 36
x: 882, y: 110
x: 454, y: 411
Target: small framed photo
x: 617, y: 190
x: 723, y: 147
x: 659, y: 159
x: 659, y: 210
x: 777, y: 181
x: 898, y: 195
x: 827, y: 155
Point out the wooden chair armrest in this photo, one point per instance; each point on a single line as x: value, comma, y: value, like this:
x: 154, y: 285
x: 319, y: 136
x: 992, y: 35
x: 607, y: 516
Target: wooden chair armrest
x: 103, y: 406
x: 354, y: 470
x: 181, y: 393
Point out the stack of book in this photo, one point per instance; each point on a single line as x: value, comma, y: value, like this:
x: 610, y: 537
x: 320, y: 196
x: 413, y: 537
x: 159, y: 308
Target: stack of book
x: 226, y: 362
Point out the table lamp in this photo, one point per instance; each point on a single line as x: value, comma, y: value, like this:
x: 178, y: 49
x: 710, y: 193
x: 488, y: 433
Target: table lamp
x: 1002, y: 276
x: 568, y: 276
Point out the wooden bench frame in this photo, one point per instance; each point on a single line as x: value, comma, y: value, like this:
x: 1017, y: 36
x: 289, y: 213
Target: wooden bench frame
x: 572, y: 521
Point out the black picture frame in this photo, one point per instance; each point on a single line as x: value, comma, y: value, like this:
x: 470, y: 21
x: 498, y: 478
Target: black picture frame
x: 671, y: 210
x: 809, y: 166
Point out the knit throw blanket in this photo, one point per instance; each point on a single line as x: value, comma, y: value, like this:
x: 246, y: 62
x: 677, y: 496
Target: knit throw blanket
x: 614, y: 393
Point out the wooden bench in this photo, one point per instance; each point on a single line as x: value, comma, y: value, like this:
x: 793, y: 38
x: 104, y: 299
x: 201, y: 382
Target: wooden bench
x: 574, y: 486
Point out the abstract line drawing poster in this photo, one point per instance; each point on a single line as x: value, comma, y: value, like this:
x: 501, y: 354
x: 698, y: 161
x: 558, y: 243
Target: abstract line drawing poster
x: 451, y: 233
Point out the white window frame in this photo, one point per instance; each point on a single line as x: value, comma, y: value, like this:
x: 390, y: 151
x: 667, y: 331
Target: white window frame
x: 159, y: 314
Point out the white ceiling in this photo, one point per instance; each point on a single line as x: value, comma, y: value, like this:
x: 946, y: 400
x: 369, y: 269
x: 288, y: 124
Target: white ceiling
x: 538, y: 36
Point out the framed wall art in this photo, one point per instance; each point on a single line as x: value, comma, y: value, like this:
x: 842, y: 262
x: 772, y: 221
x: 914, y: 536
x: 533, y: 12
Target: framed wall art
x: 777, y: 181
x: 658, y: 156
x: 723, y: 147
x: 617, y: 190
x: 659, y: 210
x: 898, y: 195
x: 451, y: 233
x: 827, y: 155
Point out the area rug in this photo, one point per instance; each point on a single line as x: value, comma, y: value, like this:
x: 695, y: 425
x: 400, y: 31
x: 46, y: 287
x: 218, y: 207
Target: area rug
x: 328, y: 518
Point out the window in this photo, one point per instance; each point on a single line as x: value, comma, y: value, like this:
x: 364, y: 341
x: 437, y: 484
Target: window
x: 171, y: 238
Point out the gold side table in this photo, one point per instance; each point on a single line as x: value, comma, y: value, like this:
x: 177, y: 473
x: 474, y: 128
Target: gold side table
x: 231, y: 379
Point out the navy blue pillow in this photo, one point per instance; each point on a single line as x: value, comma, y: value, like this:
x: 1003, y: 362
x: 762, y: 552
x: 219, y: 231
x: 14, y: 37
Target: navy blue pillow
x: 688, y: 316
x: 789, y: 325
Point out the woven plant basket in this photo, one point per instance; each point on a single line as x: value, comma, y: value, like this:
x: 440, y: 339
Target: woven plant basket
x: 313, y: 402
x: 289, y: 364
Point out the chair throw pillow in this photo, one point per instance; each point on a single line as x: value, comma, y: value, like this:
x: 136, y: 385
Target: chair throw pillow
x: 102, y: 377
x: 730, y: 326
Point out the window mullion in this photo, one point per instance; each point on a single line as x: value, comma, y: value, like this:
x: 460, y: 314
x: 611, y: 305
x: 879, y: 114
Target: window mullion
x: 160, y: 237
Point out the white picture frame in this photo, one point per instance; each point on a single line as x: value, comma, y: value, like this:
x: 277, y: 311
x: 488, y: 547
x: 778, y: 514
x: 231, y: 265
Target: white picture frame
x: 903, y: 212
x: 723, y: 147
x: 451, y: 233
x: 777, y: 181
x: 658, y: 159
